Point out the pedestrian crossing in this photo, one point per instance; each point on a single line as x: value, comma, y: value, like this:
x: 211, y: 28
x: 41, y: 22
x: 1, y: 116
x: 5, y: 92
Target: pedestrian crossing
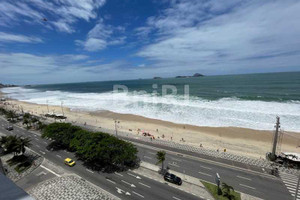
x: 290, y: 182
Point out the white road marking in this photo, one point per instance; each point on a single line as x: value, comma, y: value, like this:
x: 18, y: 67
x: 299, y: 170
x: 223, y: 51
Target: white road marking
x: 131, y: 185
x: 176, y: 198
x: 249, y: 179
x: 89, y: 171
x: 144, y: 185
x: 45, y: 142
x: 148, y: 157
x: 137, y: 194
x: 204, y: 174
x: 58, y: 156
x: 205, y: 167
x: 111, y: 181
x: 50, y: 171
x: 174, y: 164
x: 247, y: 186
x: 42, y: 152
x: 118, y: 174
x: 137, y: 177
x: 36, y: 139
x: 176, y: 159
x: 38, y: 146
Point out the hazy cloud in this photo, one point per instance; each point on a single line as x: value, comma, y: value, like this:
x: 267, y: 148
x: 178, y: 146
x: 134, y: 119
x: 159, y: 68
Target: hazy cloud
x: 7, y: 37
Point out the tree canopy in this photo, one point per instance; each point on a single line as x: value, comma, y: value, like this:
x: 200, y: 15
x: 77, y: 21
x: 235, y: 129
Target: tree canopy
x: 93, y: 147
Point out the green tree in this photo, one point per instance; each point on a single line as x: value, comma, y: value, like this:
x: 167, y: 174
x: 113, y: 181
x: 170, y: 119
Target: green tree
x: 227, y: 191
x: 10, y: 114
x: 14, y: 144
x: 26, y: 122
x: 161, y: 157
x: 22, y: 143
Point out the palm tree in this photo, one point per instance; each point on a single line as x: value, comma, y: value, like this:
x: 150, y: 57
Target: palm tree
x: 26, y: 121
x: 227, y: 191
x: 22, y: 143
x: 161, y: 157
x: 10, y: 144
x: 15, y: 144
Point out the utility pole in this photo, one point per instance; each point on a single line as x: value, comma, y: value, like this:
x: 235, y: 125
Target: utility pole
x: 116, y: 127
x: 275, y: 141
x: 47, y: 106
x: 62, y: 109
x: 297, y: 188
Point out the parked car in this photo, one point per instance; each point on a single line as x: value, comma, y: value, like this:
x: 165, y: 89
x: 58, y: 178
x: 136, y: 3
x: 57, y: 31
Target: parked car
x: 172, y: 178
x: 9, y: 128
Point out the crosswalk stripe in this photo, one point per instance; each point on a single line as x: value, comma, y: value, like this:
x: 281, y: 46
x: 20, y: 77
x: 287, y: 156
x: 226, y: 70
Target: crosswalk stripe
x: 291, y: 182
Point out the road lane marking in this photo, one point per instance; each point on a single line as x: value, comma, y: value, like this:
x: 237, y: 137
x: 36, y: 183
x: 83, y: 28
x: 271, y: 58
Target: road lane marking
x: 118, y: 174
x: 42, y: 152
x: 38, y: 146
x: 45, y: 142
x: 176, y: 198
x: 247, y: 186
x: 176, y: 159
x: 144, y: 185
x: 204, y: 173
x: 205, y: 167
x: 174, y: 164
x: 138, y: 194
x: 131, y: 185
x: 148, y: 157
x: 111, y: 181
x: 50, y: 171
x: 58, y: 156
x: 249, y: 179
x: 89, y: 171
x: 36, y: 139
x: 137, y: 177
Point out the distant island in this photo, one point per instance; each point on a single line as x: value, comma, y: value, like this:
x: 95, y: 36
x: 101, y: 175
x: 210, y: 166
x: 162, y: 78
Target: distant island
x: 195, y: 75
x: 7, y: 85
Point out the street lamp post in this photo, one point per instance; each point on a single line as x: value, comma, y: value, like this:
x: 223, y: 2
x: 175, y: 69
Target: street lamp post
x: 116, y: 127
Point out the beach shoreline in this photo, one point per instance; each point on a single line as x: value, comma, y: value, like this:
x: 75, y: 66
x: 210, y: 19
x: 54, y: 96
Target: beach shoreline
x: 236, y: 140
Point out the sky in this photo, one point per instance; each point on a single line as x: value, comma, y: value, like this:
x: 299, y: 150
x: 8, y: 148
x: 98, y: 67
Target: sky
x: 59, y: 41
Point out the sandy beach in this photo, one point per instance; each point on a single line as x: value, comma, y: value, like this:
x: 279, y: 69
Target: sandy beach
x: 242, y: 141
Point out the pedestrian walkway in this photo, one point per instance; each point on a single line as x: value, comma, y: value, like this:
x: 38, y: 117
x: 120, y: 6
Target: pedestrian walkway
x: 290, y: 182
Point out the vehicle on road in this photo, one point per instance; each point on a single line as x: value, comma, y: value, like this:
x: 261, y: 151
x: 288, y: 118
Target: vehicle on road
x: 69, y: 162
x: 9, y: 128
x: 172, y: 178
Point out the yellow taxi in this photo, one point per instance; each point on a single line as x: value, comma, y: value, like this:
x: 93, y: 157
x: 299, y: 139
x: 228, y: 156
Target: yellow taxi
x: 69, y: 162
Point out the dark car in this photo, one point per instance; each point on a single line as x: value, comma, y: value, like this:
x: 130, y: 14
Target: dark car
x: 9, y: 128
x: 172, y: 178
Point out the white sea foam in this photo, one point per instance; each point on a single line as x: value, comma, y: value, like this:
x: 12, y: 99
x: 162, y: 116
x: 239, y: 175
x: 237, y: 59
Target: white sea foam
x: 195, y: 111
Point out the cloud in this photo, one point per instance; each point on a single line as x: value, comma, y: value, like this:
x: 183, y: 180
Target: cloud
x: 7, y: 37
x: 101, y: 36
x: 24, y: 68
x: 61, y: 14
x: 218, y: 36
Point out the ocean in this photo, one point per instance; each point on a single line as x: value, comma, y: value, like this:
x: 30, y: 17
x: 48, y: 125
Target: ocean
x: 248, y: 101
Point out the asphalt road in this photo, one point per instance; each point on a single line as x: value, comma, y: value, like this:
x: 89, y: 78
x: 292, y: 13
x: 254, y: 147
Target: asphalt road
x: 125, y: 185
x: 243, y: 178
